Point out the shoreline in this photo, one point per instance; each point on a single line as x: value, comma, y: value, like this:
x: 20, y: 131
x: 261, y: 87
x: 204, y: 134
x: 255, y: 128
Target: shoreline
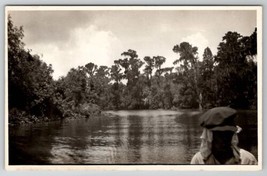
x: 30, y: 120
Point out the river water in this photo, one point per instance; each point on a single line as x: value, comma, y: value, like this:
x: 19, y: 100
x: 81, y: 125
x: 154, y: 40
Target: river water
x: 125, y: 137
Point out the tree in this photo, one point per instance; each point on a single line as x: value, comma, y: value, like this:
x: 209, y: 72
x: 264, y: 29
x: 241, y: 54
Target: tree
x: 15, y: 52
x: 159, y: 60
x: 207, y: 82
x: 237, y: 73
x: 30, y: 82
x: 90, y: 68
x: 150, y: 64
x: 188, y: 74
x: 102, y: 79
x: 79, y: 93
x: 131, y: 64
x: 116, y: 76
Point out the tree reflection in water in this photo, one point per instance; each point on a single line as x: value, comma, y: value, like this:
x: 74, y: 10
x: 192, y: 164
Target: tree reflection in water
x: 126, y: 137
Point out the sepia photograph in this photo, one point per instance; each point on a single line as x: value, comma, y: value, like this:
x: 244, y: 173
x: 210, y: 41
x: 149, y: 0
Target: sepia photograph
x: 128, y: 87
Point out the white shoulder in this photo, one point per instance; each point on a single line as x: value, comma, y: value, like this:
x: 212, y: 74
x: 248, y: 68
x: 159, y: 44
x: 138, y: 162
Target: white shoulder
x: 197, y: 159
x: 247, y: 158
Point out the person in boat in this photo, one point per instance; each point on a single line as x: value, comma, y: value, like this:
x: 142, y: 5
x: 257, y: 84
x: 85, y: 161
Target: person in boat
x: 220, y: 140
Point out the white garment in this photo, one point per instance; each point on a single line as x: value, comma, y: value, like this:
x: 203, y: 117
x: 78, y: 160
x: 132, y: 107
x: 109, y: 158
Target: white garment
x: 241, y: 156
x: 246, y: 158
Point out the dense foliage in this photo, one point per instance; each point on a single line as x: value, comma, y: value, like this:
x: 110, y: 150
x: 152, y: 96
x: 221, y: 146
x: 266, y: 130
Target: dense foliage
x: 228, y: 78
x: 30, y: 83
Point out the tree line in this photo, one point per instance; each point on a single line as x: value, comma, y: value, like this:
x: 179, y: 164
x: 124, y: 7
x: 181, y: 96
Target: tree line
x: 228, y: 78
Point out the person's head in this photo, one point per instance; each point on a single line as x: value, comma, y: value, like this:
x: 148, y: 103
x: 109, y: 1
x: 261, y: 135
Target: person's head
x: 222, y: 141
x: 221, y: 122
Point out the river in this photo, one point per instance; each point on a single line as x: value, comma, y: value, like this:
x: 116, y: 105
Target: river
x: 125, y: 137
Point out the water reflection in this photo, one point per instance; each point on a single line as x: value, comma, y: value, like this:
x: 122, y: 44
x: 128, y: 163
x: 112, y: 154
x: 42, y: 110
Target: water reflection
x: 127, y: 137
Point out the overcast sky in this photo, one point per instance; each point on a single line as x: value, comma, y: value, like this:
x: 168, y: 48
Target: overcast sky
x: 67, y: 39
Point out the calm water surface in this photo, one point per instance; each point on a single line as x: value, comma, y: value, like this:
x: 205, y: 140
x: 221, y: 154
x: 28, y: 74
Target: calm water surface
x: 126, y: 137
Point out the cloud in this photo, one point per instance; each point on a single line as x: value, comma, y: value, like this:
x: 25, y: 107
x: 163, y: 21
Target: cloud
x: 198, y: 40
x: 85, y: 45
x: 49, y: 26
x: 67, y: 39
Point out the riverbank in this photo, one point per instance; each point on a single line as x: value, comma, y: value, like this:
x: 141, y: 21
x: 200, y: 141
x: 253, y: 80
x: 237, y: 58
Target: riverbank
x: 22, y: 118
x: 18, y: 117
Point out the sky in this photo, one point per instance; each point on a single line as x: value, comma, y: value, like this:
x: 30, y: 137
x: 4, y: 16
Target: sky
x: 68, y: 39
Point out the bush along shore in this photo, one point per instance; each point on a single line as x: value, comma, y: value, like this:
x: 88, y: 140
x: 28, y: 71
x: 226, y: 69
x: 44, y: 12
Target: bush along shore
x: 17, y: 117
